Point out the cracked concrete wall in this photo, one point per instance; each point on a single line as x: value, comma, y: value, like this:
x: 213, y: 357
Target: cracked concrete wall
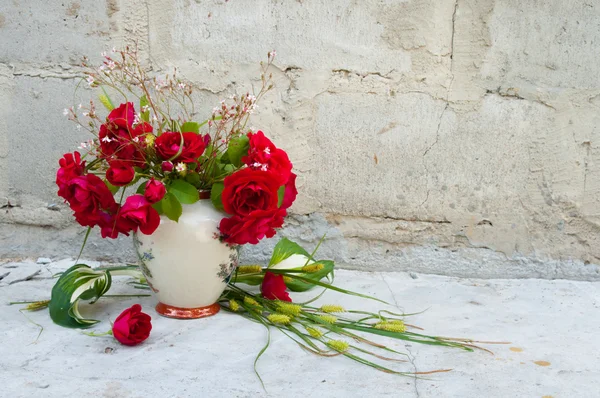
x: 456, y: 137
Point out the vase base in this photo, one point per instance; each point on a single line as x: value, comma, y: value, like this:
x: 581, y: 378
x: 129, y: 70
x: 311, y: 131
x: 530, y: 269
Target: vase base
x: 187, y: 313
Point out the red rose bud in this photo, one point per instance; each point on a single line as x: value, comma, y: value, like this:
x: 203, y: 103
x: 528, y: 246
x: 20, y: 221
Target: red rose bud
x: 273, y: 287
x: 248, y: 190
x: 167, y: 167
x: 120, y: 173
x: 155, y: 191
x: 137, y: 212
x: 132, y: 326
x: 168, y: 143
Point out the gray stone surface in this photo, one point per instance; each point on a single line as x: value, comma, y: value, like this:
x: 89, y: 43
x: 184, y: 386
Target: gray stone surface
x: 467, y: 127
x: 553, y: 350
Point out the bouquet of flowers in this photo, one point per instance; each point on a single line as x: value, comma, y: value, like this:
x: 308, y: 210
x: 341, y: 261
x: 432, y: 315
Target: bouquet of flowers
x: 155, y: 157
x: 170, y: 159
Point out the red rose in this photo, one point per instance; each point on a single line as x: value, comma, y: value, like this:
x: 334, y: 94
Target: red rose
x: 137, y: 212
x: 132, y: 326
x: 112, y: 226
x: 290, y: 192
x: 89, y: 194
x: 155, y: 191
x: 264, y: 155
x: 120, y: 173
x: 71, y: 166
x: 248, y: 190
x: 123, y: 116
x: 168, y: 143
x: 273, y: 287
x: 253, y: 227
x: 118, y: 138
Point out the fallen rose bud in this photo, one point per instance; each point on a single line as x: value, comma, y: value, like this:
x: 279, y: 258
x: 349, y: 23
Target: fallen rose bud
x: 274, y: 288
x: 132, y: 326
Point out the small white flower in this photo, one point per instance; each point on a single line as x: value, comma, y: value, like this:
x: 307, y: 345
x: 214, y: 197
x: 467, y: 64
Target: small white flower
x: 136, y: 139
x: 78, y: 127
x: 107, y: 139
x: 90, y: 80
x: 272, y: 54
x: 160, y: 84
x: 181, y: 85
x: 66, y: 112
x: 145, y: 108
x: 85, y: 114
x: 111, y: 65
x: 114, y: 50
x: 79, y: 106
x: 180, y: 167
x: 136, y: 119
x: 267, y: 150
x: 264, y: 167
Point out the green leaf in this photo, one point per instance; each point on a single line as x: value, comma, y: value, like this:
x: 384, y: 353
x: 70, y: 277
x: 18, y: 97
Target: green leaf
x: 158, y: 207
x: 215, y: 195
x: 105, y: 99
x: 193, y: 178
x: 113, y: 189
x: 297, y: 285
x: 79, y: 282
x: 171, y: 207
x: 184, y: 191
x: 145, y: 116
x: 238, y: 148
x: 190, y: 127
x: 284, y: 249
x: 141, y: 189
x: 280, y: 195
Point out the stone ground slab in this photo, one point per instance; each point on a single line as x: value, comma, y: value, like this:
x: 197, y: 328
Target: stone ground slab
x: 552, y: 326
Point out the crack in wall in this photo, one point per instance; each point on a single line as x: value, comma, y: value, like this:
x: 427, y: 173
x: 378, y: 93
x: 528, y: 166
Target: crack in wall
x: 513, y: 93
x: 44, y: 71
x: 437, y: 137
x: 363, y: 75
x: 453, y: 31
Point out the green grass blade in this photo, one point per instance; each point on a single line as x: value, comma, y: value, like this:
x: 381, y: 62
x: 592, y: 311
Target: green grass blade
x: 87, y: 234
x: 328, y: 286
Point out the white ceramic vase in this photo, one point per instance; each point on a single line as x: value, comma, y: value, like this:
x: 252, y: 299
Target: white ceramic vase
x: 184, y: 262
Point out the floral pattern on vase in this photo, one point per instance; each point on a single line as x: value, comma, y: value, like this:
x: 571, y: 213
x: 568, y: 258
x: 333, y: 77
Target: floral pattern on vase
x: 183, y: 262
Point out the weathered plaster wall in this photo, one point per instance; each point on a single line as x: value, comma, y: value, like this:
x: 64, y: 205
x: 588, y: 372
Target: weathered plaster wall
x: 447, y: 136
